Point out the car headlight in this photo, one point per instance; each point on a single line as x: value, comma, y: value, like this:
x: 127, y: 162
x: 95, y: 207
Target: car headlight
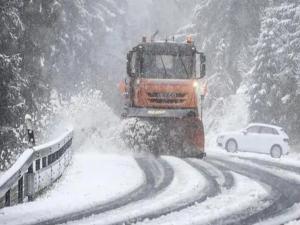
x: 221, y: 137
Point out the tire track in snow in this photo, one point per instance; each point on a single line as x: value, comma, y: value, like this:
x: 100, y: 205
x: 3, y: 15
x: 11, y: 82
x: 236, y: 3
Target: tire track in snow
x: 276, y: 165
x: 262, y: 162
x: 282, y: 196
x: 228, y: 181
x: 211, y: 190
x: 158, y: 175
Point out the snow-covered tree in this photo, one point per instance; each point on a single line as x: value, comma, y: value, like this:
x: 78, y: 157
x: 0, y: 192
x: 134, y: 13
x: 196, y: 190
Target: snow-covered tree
x: 79, y: 54
x: 225, y: 30
x: 53, y: 44
x: 274, y: 95
x: 12, y: 84
x: 26, y: 28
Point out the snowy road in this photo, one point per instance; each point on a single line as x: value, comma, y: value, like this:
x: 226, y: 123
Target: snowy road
x: 221, y: 189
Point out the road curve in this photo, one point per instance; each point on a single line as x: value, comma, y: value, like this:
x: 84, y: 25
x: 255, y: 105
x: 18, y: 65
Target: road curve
x: 283, y: 195
x: 158, y: 175
x: 212, y: 189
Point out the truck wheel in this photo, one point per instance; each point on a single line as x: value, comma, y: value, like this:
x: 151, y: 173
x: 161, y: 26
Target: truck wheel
x: 231, y: 146
x: 276, y: 151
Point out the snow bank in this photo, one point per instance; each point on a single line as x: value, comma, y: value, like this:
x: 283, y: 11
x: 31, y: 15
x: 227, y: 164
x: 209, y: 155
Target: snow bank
x: 92, y: 179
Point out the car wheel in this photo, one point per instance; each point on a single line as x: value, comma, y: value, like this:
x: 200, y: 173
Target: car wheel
x: 231, y: 146
x: 276, y: 151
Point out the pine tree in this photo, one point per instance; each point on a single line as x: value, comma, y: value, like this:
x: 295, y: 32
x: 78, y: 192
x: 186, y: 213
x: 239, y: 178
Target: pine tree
x: 226, y: 30
x: 24, y: 42
x: 12, y: 84
x: 274, y: 97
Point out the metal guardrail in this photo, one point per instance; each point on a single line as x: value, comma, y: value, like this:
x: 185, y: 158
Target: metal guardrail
x: 36, y: 169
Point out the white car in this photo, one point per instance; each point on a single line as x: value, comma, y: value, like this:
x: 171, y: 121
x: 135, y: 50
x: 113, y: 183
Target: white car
x: 257, y: 137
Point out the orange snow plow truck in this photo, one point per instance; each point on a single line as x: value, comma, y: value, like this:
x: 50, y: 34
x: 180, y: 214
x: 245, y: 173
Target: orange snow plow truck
x: 162, y: 98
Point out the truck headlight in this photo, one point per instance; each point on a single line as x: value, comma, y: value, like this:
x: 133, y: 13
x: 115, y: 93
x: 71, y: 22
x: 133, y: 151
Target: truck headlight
x: 195, y: 84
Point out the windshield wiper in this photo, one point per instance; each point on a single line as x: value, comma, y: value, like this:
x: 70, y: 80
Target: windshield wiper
x: 187, y: 74
x: 162, y: 61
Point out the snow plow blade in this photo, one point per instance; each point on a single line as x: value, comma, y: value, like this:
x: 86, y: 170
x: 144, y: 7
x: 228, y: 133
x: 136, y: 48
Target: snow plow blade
x: 160, y: 113
x: 165, y: 136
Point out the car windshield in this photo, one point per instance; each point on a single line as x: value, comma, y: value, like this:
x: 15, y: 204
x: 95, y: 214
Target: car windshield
x: 167, y: 66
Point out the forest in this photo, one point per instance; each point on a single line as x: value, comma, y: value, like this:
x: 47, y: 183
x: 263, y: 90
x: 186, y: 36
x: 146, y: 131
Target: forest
x: 51, y: 50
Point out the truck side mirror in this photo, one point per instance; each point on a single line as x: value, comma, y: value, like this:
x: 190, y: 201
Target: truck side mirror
x: 202, y: 65
x: 131, y: 60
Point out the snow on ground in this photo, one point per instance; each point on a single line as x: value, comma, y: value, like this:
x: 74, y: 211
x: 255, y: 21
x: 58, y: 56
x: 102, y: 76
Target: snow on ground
x: 290, y: 214
x: 292, y: 159
x: 284, y: 174
x: 296, y: 222
x: 98, y: 172
x: 188, y: 184
x: 243, y: 195
x: 92, y: 179
x: 295, y: 152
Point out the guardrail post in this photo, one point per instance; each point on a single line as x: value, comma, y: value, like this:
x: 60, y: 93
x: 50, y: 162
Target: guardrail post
x: 30, y: 174
x: 20, y: 189
x: 7, y: 198
x: 29, y: 127
x: 30, y: 183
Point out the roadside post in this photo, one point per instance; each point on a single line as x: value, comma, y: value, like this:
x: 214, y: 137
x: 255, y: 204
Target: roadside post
x: 29, y: 127
x: 29, y: 176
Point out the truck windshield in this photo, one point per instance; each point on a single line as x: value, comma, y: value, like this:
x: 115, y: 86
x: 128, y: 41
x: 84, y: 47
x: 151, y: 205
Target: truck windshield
x: 167, y: 66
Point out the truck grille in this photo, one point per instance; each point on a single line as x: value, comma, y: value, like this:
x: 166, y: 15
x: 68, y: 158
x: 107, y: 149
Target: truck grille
x: 166, y: 95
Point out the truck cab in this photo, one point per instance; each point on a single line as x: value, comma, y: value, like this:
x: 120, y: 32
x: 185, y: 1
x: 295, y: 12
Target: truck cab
x: 163, y: 80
